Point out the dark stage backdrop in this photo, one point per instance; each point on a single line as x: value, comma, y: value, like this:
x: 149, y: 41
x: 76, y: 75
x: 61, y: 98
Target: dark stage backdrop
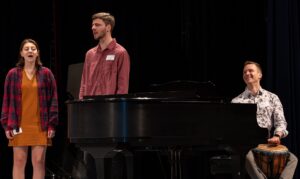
x: 198, y: 40
x: 283, y: 62
x: 172, y: 40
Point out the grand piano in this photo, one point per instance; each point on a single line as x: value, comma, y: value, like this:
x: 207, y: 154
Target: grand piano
x: 109, y: 125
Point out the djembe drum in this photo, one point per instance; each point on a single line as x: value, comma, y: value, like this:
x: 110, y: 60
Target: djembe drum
x: 271, y: 159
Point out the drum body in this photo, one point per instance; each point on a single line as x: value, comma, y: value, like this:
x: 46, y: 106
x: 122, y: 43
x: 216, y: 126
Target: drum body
x: 271, y: 159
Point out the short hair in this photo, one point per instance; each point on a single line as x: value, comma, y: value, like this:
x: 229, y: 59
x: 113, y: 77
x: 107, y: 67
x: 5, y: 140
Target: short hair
x: 106, y: 17
x: 254, y: 63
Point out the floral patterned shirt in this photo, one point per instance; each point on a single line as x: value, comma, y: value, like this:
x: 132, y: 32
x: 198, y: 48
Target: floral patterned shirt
x: 269, y: 109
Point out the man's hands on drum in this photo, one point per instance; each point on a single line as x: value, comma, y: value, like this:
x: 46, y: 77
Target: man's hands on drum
x: 275, y: 140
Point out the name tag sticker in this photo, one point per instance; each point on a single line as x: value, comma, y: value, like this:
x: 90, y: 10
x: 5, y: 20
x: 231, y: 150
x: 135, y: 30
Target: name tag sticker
x: 110, y: 57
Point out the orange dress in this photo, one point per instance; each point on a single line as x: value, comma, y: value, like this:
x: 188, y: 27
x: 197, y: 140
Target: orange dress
x: 32, y: 133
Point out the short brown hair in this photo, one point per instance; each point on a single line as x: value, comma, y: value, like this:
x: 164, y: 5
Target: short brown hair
x: 106, y: 17
x: 254, y: 63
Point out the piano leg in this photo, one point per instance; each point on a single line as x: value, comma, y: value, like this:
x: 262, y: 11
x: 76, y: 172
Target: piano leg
x: 175, y: 160
x: 111, y: 163
x: 236, y: 169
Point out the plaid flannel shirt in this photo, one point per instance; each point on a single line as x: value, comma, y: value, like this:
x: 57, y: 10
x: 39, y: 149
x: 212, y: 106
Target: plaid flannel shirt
x: 47, y: 91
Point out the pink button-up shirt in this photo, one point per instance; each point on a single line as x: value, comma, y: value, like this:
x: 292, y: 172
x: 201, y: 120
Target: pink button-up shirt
x: 105, y: 72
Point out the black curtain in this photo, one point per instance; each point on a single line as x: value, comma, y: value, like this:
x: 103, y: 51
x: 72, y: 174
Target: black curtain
x: 283, y: 62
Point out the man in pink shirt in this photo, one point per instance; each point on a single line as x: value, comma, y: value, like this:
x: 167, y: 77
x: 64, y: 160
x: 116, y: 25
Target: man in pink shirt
x: 106, y: 67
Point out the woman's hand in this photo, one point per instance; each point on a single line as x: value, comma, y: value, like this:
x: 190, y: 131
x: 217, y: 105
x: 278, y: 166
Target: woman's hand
x: 51, y: 133
x: 9, y: 134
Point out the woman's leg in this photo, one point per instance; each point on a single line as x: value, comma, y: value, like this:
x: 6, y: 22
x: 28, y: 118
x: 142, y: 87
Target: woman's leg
x: 20, y: 159
x: 38, y: 157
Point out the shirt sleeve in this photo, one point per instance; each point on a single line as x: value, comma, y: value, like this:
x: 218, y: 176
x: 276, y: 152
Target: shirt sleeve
x: 53, y: 121
x: 280, y: 123
x: 5, y: 104
x: 123, y: 73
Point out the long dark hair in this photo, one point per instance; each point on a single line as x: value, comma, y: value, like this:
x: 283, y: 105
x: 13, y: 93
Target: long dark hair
x: 21, y: 62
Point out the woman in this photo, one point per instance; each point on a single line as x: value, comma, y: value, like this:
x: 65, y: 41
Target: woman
x: 29, y: 110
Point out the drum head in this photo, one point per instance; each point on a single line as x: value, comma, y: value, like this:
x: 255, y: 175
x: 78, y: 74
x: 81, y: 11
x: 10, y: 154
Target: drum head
x: 272, y: 148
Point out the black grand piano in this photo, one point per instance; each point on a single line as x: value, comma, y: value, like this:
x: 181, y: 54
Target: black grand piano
x: 104, y: 126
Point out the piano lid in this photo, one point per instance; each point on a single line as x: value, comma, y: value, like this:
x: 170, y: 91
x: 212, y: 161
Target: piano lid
x: 174, y: 90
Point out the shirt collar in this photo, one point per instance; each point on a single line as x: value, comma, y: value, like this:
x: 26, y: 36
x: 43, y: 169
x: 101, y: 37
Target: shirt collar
x: 248, y: 92
x: 110, y: 46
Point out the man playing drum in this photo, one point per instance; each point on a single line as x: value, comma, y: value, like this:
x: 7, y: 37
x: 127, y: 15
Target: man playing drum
x: 270, y: 115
